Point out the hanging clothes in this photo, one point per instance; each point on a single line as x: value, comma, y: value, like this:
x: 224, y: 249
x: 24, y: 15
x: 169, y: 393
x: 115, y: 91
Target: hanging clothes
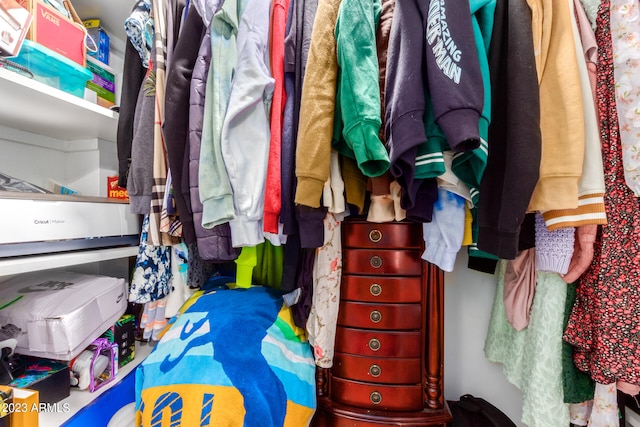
x: 245, y: 130
x: 381, y: 207
x: 317, y: 106
x: 443, y: 235
x: 532, y: 357
x: 175, y: 126
x: 214, y: 188
x: 625, y: 33
x: 327, y: 273
x: 152, y: 271
x: 520, y: 279
x: 315, y: 125
x: 513, y: 162
x: 134, y: 71
x: 590, y: 209
x: 214, y: 244
x: 602, y: 411
x: 432, y: 88
x: 140, y: 171
x: 180, y: 290
x: 357, y: 113
x: 165, y: 12
x: 578, y: 387
x: 273, y: 186
x: 561, y: 106
x: 603, y: 326
x: 297, y: 44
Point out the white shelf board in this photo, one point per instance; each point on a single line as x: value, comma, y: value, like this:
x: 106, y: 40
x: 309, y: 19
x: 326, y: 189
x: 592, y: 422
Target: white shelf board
x: 41, y: 109
x: 26, y: 264
x: 78, y: 399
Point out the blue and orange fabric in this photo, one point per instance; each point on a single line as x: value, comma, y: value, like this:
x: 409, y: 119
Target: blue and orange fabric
x: 232, y: 358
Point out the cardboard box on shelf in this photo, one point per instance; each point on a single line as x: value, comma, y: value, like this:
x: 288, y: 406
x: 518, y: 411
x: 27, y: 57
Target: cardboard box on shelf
x: 26, y: 406
x: 49, y: 377
x: 14, y: 24
x: 100, y: 40
x: 114, y: 191
x: 57, y: 32
x: 101, y: 88
x: 123, y: 334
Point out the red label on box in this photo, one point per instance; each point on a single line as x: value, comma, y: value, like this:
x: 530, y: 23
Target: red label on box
x: 59, y: 34
x: 114, y: 191
x: 56, y: 32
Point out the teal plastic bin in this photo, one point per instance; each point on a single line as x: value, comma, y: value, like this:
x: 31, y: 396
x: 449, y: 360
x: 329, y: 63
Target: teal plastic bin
x: 53, y: 69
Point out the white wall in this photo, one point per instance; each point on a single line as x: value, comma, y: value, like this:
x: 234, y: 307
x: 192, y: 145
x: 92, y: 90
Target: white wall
x: 469, y: 297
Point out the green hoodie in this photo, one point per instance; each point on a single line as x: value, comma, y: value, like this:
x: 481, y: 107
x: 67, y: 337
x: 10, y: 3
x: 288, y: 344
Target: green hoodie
x: 358, y: 92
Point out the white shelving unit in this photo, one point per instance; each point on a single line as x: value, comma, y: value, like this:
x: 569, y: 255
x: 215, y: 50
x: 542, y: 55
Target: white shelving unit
x: 19, y: 265
x: 48, y: 133
x: 78, y: 399
x: 34, y: 107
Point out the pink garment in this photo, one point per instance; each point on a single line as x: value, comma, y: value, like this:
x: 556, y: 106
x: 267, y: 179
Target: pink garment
x: 519, y: 287
x: 628, y: 388
x: 582, y: 252
x: 396, y: 194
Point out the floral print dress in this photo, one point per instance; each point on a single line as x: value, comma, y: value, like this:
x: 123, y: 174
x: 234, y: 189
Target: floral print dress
x: 604, y: 325
x: 625, y: 33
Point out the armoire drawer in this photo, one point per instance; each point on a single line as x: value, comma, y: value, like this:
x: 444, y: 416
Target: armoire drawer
x: 380, y: 316
x: 381, y: 289
x: 377, y: 396
x: 382, y: 261
x: 389, y: 235
x: 380, y: 370
x: 378, y: 343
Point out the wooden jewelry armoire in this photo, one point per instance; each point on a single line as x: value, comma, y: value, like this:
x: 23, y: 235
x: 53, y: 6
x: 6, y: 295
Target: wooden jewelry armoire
x: 388, y: 363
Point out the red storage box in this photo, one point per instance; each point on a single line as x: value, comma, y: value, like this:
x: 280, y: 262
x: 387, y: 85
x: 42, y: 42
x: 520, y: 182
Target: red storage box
x: 55, y: 31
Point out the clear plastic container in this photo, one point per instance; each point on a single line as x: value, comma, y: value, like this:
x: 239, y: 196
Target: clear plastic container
x: 53, y: 69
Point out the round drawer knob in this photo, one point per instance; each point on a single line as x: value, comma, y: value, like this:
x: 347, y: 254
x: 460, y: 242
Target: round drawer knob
x: 375, y: 370
x: 376, y: 397
x: 375, y: 316
x: 375, y: 289
x: 375, y: 236
x: 374, y: 344
x: 376, y: 261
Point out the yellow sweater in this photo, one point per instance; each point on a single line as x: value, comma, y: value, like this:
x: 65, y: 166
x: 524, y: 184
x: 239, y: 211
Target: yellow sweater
x: 591, y: 188
x: 317, y: 107
x: 561, y: 106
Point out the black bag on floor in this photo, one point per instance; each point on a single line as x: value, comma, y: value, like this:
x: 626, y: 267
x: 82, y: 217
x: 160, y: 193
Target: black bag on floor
x: 471, y: 411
